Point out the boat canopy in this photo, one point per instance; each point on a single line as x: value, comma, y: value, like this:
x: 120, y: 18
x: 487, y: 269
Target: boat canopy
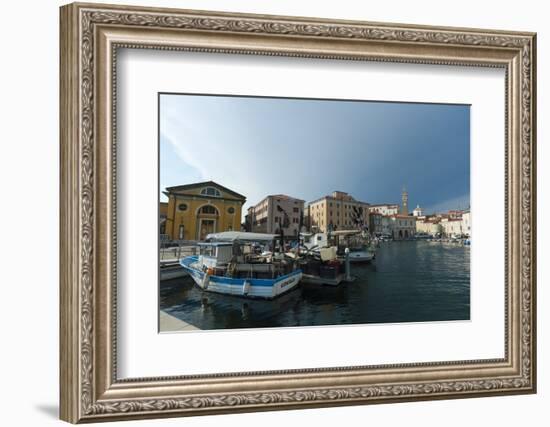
x: 214, y: 243
x: 241, y: 236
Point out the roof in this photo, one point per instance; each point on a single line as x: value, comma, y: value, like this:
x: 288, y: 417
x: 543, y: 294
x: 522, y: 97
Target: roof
x: 384, y: 204
x: 351, y: 200
x: 279, y: 196
x: 214, y: 243
x: 284, y: 196
x: 241, y: 236
x: 179, y: 188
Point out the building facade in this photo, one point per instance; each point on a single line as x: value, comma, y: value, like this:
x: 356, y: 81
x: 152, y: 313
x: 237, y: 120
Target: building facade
x: 466, y: 223
x: 452, y: 226
x: 195, y: 210
x: 277, y: 213
x: 338, y: 211
x: 428, y: 225
x: 456, y: 223
x: 380, y: 225
x: 163, y: 214
x: 384, y: 209
x: 403, y: 226
x: 418, y: 211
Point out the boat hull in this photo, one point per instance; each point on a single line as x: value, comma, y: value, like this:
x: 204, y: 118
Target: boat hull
x: 311, y: 279
x: 244, y: 287
x: 358, y: 257
x: 170, y: 272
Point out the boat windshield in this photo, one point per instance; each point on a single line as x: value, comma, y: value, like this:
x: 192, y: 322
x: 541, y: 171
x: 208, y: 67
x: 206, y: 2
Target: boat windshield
x: 207, y: 250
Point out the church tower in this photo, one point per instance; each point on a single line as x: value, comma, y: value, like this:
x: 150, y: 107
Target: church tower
x: 404, y: 202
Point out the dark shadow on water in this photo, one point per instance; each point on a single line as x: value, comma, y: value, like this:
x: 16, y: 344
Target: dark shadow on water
x: 50, y: 410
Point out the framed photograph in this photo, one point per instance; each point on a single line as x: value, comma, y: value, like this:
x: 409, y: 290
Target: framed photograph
x: 266, y: 212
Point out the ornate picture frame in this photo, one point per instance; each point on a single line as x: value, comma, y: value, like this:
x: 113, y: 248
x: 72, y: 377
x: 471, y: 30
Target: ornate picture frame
x: 90, y: 37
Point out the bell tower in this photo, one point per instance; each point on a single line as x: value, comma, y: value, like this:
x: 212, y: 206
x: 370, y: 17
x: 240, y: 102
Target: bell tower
x: 404, y: 202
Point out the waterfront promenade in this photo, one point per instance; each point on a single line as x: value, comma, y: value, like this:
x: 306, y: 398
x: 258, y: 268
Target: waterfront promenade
x: 169, y: 323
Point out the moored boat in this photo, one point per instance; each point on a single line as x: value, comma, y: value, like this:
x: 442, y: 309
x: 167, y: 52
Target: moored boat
x: 171, y: 270
x: 242, y: 264
x: 354, y: 240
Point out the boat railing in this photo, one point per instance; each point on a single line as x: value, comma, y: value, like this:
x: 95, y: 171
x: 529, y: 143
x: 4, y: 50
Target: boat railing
x: 170, y: 250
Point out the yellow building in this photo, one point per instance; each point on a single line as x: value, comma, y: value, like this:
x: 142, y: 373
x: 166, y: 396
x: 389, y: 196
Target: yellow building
x: 195, y: 210
x: 339, y: 211
x: 163, y: 211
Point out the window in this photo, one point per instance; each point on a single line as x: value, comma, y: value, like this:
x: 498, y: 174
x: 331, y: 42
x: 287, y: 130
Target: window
x: 207, y: 250
x: 276, y: 219
x: 211, y: 191
x: 182, y: 207
x: 296, y: 210
x: 231, y: 210
x: 208, y: 210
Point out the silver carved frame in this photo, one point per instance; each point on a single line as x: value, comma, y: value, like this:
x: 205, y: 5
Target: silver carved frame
x: 90, y: 36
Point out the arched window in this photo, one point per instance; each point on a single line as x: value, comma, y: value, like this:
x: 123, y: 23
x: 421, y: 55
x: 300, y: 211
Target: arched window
x: 208, y: 210
x: 211, y: 191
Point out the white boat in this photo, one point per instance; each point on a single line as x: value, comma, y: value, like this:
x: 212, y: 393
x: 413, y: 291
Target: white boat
x: 341, y: 239
x: 359, y: 256
x: 235, y: 263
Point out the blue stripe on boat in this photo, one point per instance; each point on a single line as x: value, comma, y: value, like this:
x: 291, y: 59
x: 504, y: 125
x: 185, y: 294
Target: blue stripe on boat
x: 254, y: 282
x: 221, y: 280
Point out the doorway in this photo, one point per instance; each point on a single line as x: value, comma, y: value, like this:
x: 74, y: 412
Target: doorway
x: 206, y: 227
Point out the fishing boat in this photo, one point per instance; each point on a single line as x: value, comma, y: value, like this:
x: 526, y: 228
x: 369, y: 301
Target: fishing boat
x: 354, y: 240
x: 320, y: 262
x: 358, y: 244
x: 322, y: 267
x: 242, y: 264
x: 171, y: 269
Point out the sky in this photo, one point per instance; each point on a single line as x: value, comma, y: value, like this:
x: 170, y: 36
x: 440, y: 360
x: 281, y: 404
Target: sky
x: 309, y: 148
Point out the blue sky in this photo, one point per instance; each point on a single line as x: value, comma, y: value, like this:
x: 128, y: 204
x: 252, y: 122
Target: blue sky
x: 309, y: 148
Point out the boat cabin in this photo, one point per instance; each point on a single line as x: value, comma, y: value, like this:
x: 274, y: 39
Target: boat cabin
x: 354, y: 239
x: 314, y: 240
x: 215, y: 254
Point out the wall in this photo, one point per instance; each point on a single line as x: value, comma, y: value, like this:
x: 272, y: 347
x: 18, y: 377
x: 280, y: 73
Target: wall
x: 29, y: 163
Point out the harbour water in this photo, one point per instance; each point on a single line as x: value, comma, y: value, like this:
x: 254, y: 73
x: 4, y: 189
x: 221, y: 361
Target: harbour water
x: 410, y: 281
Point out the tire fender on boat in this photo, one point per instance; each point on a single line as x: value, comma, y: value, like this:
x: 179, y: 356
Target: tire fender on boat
x: 246, y: 287
x: 205, y: 281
